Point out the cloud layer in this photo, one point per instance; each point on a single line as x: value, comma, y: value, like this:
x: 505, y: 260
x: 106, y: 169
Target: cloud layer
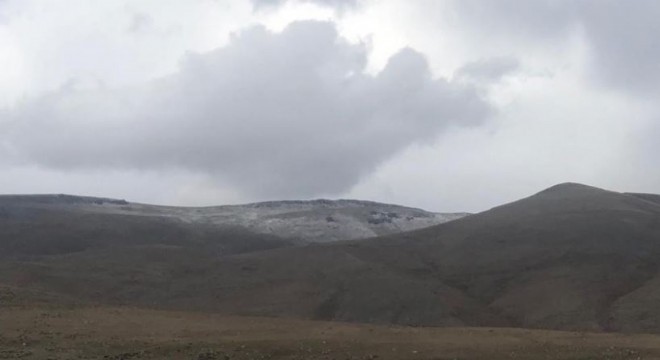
x: 622, y: 36
x: 570, y: 89
x: 288, y: 114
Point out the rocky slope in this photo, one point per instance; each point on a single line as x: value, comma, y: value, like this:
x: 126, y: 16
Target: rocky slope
x: 321, y: 220
x: 56, y: 224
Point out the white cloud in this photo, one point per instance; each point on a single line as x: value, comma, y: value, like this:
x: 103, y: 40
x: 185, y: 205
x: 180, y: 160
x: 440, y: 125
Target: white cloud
x: 547, y: 130
x: 340, y: 4
x: 274, y: 115
x: 54, y: 42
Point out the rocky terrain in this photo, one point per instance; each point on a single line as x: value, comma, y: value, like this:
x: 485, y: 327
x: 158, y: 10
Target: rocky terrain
x: 38, y: 333
x: 571, y: 257
x: 300, y: 221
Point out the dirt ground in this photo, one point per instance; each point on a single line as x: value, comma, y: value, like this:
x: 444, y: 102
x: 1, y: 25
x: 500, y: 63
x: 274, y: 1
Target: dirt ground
x: 129, y: 333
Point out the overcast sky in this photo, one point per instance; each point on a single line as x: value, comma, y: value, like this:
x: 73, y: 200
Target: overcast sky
x: 451, y: 105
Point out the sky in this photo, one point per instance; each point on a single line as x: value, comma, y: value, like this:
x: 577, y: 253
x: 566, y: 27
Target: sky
x: 446, y: 105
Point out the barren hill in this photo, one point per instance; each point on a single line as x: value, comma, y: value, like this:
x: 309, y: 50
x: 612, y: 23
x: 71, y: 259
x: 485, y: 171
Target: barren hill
x: 569, y: 257
x: 64, y: 223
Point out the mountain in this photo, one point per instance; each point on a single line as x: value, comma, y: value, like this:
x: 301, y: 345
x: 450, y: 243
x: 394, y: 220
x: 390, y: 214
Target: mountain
x: 60, y: 224
x: 318, y: 220
x: 570, y: 257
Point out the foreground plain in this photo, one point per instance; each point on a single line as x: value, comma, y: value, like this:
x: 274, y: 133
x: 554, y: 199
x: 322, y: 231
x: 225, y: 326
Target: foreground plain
x: 47, y: 332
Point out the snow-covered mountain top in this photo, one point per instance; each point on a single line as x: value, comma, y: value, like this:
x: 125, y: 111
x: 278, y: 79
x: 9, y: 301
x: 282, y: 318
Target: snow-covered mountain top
x: 304, y: 220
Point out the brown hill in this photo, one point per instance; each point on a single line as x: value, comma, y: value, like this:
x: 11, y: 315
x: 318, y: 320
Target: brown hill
x: 569, y: 257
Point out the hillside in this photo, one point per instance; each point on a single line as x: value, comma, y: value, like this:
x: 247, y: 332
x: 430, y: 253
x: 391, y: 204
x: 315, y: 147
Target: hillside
x: 49, y: 224
x: 59, y: 225
x: 570, y: 257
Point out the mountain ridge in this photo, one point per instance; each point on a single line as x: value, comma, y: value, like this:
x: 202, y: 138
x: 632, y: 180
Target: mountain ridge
x: 54, y: 198
x: 296, y: 221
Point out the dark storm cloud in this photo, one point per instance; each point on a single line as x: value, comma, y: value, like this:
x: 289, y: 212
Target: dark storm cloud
x: 277, y: 115
x: 623, y: 36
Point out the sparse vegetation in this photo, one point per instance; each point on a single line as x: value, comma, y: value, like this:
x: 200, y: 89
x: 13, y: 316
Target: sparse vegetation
x: 35, y: 332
